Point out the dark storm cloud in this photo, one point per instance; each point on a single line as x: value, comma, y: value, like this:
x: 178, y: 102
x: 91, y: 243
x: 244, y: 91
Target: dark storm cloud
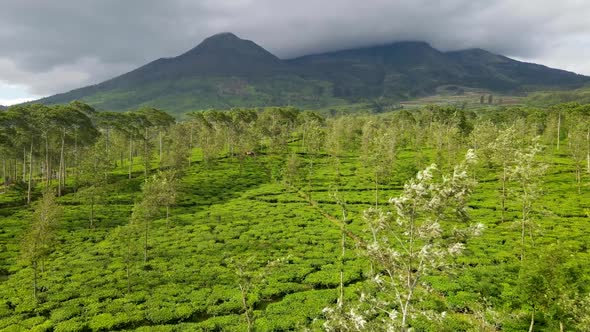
x: 52, y: 46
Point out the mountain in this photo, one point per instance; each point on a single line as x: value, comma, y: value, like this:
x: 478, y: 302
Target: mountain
x: 3, y: 108
x: 225, y: 71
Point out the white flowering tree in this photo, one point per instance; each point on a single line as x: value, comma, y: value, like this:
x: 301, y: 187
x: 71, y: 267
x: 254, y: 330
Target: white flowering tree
x: 409, y: 243
x: 527, y: 173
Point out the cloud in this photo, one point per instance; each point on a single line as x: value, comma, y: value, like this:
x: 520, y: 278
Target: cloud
x: 15, y: 101
x: 11, y: 94
x: 54, y: 46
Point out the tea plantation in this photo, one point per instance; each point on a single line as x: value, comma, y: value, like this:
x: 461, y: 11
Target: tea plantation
x: 255, y: 244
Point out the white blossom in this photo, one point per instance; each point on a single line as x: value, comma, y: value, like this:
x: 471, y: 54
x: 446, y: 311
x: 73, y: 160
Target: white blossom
x: 456, y: 248
x: 358, y: 320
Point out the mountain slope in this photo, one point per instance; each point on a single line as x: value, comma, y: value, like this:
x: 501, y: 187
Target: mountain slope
x: 412, y: 69
x: 399, y: 70
x: 226, y: 71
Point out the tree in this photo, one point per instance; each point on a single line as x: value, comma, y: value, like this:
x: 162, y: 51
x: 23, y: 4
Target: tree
x: 378, y: 153
x: 276, y: 124
x: 342, y: 204
x: 311, y: 131
x: 341, y: 137
x: 550, y: 282
x: 93, y: 175
x: 503, y: 149
x: 75, y: 128
x: 38, y: 241
x: 527, y: 172
x: 244, y: 137
x: 168, y: 183
x: 207, y: 137
x: 481, y: 138
x: 250, y: 278
x: 158, y: 191
x: 145, y: 211
x: 161, y: 122
x: 134, y: 127
x: 292, y: 171
x: 312, y: 136
x: 410, y: 243
x: 579, y: 147
x: 179, y: 156
x: 125, y: 235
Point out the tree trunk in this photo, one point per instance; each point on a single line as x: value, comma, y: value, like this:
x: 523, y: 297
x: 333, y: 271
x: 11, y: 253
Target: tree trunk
x: 106, y: 143
x: 128, y: 262
x: 376, y: 191
x: 4, y: 179
x: 75, y: 154
x: 309, y: 182
x: 145, y: 242
x: 47, y: 169
x: 130, y: 156
x: 35, y: 280
x: 61, y: 171
x: 304, y: 148
x: 588, y: 151
x: 523, y: 221
x: 404, y: 317
x: 343, y: 248
x: 128, y: 278
x: 24, y: 164
x: 160, y: 139
x: 558, y: 129
x: 190, y: 147
x: 532, y: 320
x: 92, y: 209
x: 246, y: 309
x: 145, y: 154
x: 167, y: 214
x: 29, y: 187
x: 579, y: 178
x: 503, y: 198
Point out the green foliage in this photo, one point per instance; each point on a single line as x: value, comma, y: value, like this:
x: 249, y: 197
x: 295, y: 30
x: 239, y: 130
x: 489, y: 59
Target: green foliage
x: 38, y: 242
x: 235, y: 206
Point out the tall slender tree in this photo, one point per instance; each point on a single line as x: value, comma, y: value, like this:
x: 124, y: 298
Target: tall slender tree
x: 38, y: 241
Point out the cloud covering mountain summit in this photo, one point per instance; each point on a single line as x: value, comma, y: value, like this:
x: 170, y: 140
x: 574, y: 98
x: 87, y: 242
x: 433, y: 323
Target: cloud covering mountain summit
x: 52, y: 46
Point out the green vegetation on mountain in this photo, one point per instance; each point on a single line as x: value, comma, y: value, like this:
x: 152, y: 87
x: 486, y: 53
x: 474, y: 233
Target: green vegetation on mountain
x: 225, y: 71
x: 548, y: 98
x: 275, y: 219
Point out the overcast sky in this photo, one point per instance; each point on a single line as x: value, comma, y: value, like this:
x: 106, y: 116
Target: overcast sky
x: 47, y: 47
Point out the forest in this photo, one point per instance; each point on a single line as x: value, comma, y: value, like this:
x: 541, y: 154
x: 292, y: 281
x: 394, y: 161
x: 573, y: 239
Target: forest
x: 281, y: 219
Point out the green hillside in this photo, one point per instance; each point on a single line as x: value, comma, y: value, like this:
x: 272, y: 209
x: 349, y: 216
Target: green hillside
x: 546, y: 98
x: 225, y: 71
